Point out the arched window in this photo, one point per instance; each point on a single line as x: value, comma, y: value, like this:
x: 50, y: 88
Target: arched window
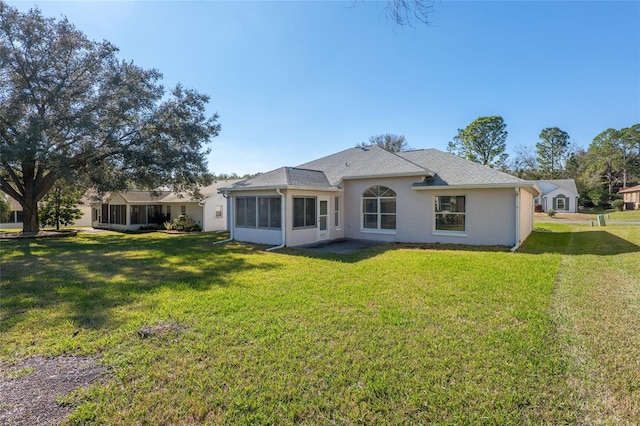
x: 379, y: 208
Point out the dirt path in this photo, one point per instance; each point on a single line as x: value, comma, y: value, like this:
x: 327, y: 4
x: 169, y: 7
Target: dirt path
x: 29, y: 389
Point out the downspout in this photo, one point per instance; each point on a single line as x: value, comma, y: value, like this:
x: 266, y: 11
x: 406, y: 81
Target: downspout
x: 514, y: 248
x: 231, y: 216
x: 283, y: 223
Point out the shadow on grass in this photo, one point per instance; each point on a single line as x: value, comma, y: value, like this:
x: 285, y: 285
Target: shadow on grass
x: 89, y: 277
x: 376, y: 249
x: 600, y: 243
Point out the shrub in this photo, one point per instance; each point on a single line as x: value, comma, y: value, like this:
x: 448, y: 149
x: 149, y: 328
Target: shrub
x: 185, y: 223
x: 617, y: 204
x: 551, y: 213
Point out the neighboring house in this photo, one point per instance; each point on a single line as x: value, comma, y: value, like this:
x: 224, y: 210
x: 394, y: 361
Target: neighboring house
x: 631, y: 197
x: 560, y: 195
x: 422, y: 196
x: 131, y: 210
x: 15, y: 217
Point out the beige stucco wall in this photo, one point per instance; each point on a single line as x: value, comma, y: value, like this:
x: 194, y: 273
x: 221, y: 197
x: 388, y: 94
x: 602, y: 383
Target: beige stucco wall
x: 527, y: 209
x: 209, y: 220
x: 297, y: 237
x: 490, y: 214
x: 294, y: 237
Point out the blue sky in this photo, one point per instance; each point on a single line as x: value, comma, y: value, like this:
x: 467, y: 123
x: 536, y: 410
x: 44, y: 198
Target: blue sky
x: 294, y: 81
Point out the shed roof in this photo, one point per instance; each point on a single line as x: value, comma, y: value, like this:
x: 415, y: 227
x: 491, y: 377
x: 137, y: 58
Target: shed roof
x: 630, y: 189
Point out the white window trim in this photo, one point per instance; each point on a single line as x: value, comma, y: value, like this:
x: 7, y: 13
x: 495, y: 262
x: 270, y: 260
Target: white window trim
x: 442, y: 233
x: 448, y: 233
x: 378, y: 230
x: 315, y: 224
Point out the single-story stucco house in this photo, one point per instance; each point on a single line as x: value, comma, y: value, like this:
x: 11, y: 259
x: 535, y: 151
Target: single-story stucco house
x: 560, y: 195
x: 420, y: 196
x: 631, y: 197
x: 131, y: 210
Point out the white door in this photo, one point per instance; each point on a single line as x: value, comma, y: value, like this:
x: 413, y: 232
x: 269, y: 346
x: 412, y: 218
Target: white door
x: 323, y: 218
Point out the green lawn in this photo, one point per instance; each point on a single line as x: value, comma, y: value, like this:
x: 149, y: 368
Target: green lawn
x: 630, y: 215
x: 197, y: 333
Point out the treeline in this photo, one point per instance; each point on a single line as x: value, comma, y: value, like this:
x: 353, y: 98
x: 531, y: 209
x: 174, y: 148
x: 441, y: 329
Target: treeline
x: 610, y: 163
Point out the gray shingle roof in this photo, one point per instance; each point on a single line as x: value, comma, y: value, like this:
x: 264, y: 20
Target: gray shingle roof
x: 364, y: 162
x: 284, y: 177
x: 163, y: 196
x: 550, y: 185
x: 453, y: 170
x: 440, y: 168
x: 144, y: 196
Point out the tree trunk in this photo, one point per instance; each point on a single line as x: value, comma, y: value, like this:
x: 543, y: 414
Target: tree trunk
x: 57, y: 214
x: 30, y: 221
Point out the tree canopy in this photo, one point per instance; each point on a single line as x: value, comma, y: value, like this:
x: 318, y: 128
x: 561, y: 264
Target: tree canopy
x: 70, y: 109
x: 553, y: 149
x: 482, y: 141
x: 389, y: 141
x: 4, y: 207
x: 60, y: 205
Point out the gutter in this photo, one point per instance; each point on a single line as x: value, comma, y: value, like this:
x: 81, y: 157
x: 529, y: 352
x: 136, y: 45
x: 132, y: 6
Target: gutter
x: 422, y: 187
x: 231, y: 216
x: 283, y: 219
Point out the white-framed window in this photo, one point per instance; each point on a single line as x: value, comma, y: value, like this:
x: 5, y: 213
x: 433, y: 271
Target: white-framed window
x: 183, y: 210
x: 379, y: 209
x: 218, y: 211
x: 258, y: 212
x: 336, y: 212
x: 304, y: 212
x: 560, y: 202
x: 450, y: 213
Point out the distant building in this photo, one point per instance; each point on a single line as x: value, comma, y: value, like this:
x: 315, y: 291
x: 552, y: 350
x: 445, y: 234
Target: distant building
x: 631, y: 197
x: 560, y: 195
x: 131, y: 210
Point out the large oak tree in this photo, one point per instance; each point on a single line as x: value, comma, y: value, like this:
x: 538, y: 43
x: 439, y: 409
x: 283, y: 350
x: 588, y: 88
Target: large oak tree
x: 70, y: 109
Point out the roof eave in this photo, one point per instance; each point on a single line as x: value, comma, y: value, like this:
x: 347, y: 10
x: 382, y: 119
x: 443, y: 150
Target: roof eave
x: 423, y: 174
x: 526, y: 185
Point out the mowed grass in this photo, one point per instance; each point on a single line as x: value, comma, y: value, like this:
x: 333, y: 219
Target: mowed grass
x: 196, y: 333
x: 596, y: 307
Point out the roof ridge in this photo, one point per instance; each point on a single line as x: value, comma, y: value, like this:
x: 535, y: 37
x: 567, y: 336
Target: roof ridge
x: 397, y: 154
x: 287, y: 175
